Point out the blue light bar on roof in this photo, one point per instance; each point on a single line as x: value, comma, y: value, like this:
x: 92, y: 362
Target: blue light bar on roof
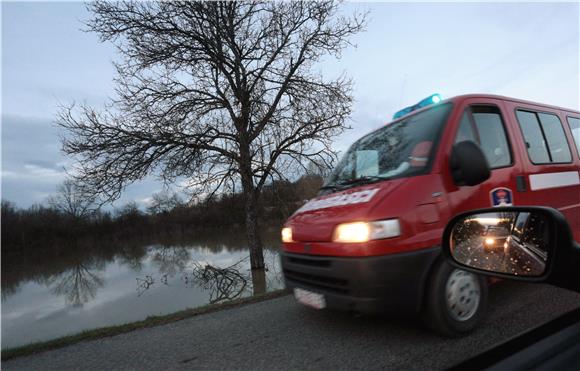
x: 432, y: 99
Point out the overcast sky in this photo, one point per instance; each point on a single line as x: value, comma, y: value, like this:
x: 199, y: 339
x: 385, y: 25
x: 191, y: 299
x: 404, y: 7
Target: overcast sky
x: 409, y: 51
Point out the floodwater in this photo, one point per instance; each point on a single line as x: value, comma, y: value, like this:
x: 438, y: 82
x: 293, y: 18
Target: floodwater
x: 78, y: 288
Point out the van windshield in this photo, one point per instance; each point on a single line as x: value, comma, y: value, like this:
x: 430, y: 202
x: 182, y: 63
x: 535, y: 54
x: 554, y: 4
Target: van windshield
x: 400, y: 149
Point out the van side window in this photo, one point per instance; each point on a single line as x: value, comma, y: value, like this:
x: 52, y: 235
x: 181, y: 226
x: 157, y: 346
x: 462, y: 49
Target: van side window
x: 544, y: 136
x: 493, y: 140
x: 574, y: 124
x: 486, y: 129
x: 533, y: 136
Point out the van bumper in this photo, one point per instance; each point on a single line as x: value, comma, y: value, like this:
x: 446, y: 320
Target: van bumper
x: 378, y: 284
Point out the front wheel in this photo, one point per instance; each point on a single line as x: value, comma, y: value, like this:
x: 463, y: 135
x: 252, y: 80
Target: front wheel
x: 456, y: 300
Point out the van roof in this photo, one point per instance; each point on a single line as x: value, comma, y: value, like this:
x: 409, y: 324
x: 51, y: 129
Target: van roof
x: 500, y: 97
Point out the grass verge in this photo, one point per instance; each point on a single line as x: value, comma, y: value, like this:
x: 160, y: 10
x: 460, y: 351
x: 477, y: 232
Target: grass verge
x: 152, y: 321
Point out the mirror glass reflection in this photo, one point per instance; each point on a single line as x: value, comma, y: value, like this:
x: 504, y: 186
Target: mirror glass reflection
x: 505, y: 242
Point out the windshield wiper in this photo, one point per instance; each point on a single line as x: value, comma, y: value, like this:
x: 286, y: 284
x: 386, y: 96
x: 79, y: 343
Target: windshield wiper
x: 349, y: 182
x: 333, y: 187
x: 328, y: 186
x: 363, y: 180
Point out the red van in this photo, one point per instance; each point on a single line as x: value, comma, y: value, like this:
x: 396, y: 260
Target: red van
x: 370, y: 241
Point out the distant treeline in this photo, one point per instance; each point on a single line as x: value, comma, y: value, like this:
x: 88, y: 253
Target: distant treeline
x: 42, y: 226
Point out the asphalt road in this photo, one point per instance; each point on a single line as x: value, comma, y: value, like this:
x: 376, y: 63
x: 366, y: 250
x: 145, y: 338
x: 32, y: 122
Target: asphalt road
x: 281, y: 334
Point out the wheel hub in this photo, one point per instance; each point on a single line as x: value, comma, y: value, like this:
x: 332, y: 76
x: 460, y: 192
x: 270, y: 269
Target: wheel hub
x: 462, y: 295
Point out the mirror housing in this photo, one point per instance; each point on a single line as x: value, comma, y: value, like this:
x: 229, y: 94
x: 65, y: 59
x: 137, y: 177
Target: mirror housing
x: 468, y: 164
x: 563, y: 254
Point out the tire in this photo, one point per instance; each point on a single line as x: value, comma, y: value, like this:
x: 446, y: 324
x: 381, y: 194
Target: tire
x: 463, y: 310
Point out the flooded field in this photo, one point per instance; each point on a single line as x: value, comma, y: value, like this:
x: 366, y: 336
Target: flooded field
x: 79, y: 288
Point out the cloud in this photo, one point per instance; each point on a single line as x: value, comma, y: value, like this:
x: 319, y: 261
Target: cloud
x: 144, y: 202
x: 409, y: 51
x: 33, y: 166
x: 32, y: 172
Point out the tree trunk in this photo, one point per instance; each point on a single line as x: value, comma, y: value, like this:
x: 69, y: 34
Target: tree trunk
x: 259, y: 281
x: 253, y: 230
x: 251, y: 205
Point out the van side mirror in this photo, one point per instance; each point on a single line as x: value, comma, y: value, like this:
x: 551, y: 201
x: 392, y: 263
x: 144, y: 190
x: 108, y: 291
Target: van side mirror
x: 468, y: 164
x: 525, y: 243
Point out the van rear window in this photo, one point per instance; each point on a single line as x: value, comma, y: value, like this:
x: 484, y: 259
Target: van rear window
x: 545, y: 138
x: 556, y: 138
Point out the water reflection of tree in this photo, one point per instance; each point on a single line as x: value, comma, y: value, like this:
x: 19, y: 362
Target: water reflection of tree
x: 52, y: 263
x: 274, y: 278
x: 9, y: 288
x: 222, y: 283
x: 171, y: 260
x: 78, y: 285
x: 132, y: 255
x: 234, y: 281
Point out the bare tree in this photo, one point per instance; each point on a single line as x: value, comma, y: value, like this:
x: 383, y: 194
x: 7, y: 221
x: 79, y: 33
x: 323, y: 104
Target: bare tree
x: 73, y: 200
x: 163, y: 202
x: 220, y: 93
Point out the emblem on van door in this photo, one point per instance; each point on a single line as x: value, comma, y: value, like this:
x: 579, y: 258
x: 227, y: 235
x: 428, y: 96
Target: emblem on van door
x: 501, y: 196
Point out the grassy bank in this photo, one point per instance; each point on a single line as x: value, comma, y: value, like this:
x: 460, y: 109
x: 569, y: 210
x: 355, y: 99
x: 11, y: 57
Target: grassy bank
x: 120, y: 329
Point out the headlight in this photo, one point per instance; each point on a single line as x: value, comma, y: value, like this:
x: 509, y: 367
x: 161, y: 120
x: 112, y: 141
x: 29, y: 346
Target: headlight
x: 366, y: 231
x: 489, y: 241
x: 286, y: 234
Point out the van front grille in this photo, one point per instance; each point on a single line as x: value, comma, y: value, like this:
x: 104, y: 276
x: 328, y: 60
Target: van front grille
x: 317, y: 281
x: 325, y: 263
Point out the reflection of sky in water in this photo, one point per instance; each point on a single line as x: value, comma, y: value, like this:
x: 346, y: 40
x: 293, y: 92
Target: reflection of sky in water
x: 37, y: 312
